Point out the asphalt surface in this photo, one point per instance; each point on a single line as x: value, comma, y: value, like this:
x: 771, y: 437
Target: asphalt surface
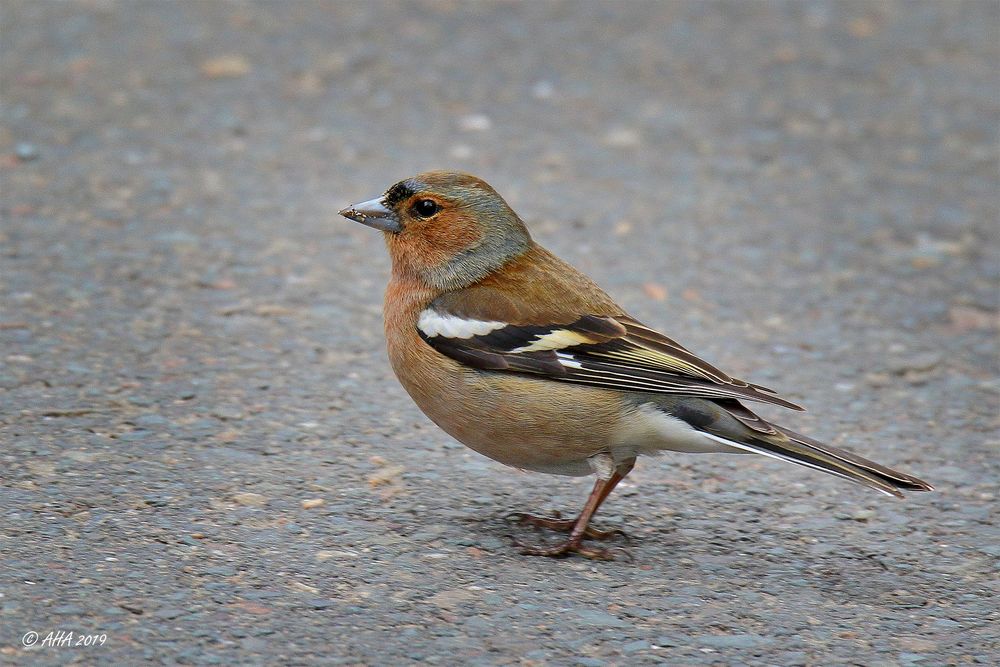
x: 206, y: 459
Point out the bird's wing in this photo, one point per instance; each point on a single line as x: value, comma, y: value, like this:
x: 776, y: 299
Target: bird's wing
x: 613, y: 351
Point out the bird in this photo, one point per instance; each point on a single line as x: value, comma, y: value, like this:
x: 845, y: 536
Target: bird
x: 526, y: 360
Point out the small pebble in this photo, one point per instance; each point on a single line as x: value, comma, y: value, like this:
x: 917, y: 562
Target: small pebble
x: 26, y: 152
x: 622, y: 137
x: 543, y: 90
x: 476, y: 122
x: 250, y: 499
x: 224, y: 67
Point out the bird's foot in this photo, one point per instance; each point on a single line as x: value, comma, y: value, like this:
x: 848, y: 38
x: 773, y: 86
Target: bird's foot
x: 564, y: 549
x: 561, y: 525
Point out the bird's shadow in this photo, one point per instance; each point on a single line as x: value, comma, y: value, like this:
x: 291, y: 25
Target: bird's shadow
x: 771, y: 562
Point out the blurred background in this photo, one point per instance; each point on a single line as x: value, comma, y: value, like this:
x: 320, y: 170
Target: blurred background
x: 206, y: 457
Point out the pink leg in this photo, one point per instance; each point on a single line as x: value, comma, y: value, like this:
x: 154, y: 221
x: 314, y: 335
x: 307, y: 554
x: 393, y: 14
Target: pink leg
x: 578, y: 528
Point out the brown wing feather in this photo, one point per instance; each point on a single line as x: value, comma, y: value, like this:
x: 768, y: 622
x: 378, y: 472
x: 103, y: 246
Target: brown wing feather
x: 563, y: 326
x: 602, y: 351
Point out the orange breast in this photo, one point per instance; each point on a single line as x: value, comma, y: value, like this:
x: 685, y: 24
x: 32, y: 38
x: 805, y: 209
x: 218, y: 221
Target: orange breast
x: 521, y: 421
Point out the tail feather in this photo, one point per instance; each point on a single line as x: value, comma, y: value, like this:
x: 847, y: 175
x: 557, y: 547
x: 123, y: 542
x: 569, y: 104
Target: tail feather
x: 796, y: 448
x: 894, y: 477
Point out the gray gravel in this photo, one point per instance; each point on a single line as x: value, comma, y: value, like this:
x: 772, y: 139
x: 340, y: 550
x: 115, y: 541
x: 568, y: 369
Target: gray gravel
x: 205, y: 456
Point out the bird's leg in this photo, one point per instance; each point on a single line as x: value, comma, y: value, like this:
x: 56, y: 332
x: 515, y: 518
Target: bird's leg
x: 561, y: 525
x: 566, y: 525
x: 578, y: 528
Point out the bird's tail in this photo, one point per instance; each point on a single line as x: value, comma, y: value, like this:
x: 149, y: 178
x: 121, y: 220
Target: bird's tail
x: 791, y: 446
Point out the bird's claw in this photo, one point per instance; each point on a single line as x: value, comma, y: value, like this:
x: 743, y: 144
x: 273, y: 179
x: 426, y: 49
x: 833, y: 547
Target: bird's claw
x: 566, y: 526
x: 602, y: 535
x: 564, y: 549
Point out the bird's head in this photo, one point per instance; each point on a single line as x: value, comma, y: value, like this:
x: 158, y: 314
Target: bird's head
x: 447, y: 229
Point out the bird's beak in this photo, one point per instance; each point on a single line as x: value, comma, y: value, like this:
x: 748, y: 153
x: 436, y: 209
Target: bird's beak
x: 374, y: 214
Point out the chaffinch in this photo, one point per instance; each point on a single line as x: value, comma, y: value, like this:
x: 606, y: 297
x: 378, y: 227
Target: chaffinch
x: 524, y: 359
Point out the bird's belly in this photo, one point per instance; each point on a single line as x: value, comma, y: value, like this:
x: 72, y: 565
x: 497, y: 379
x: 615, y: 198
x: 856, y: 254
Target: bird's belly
x: 534, y: 423
x: 524, y: 422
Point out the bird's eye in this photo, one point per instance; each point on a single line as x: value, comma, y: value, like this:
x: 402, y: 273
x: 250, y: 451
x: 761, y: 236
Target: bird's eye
x: 425, y: 208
